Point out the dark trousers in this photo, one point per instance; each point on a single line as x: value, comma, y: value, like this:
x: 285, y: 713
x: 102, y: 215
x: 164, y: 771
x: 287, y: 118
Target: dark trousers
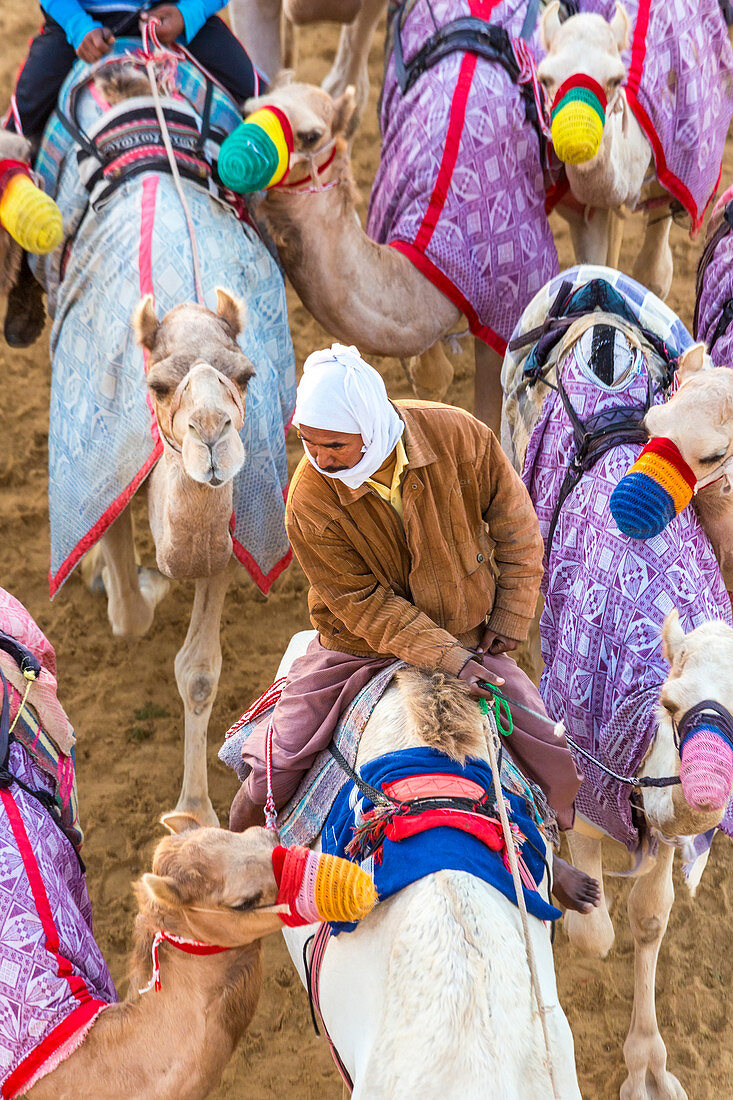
x: 51, y: 57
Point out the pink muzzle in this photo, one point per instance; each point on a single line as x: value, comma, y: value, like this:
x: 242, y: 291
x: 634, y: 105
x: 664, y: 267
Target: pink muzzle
x: 706, y: 769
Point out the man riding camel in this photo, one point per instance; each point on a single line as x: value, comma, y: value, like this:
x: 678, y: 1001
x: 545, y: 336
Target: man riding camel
x: 394, y: 514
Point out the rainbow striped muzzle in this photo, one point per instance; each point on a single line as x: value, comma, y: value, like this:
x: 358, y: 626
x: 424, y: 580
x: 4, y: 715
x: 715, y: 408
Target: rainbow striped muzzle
x: 257, y: 154
x: 657, y: 488
x: 578, y: 115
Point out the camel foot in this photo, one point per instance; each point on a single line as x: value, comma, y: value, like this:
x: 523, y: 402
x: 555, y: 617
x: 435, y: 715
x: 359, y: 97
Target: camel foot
x: 573, y: 888
x: 132, y: 618
x: 590, y: 933
x: 652, y: 1084
x: 92, y: 565
x: 200, y: 808
x: 25, y: 315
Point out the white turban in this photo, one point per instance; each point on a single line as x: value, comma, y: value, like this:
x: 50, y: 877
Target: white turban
x: 339, y: 392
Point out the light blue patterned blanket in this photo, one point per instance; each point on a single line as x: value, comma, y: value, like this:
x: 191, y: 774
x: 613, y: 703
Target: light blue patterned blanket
x: 102, y: 438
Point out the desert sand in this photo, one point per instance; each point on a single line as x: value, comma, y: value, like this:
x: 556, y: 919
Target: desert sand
x: 122, y: 699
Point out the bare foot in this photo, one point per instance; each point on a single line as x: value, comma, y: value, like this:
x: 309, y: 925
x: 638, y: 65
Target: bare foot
x: 574, y: 889
x: 244, y: 812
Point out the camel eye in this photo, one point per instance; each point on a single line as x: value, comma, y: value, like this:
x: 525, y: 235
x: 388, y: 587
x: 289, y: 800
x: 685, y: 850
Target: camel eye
x: 711, y: 459
x: 248, y: 903
x: 309, y: 138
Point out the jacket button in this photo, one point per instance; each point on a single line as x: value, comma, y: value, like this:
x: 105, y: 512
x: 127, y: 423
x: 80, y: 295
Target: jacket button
x: 479, y: 557
x: 414, y: 485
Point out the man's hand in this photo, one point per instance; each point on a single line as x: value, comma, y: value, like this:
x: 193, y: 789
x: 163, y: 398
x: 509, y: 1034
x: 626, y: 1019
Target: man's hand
x: 95, y: 45
x: 495, y: 644
x: 171, y: 22
x: 474, y: 674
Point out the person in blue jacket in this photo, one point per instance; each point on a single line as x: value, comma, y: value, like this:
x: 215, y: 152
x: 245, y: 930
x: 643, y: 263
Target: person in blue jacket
x: 88, y: 28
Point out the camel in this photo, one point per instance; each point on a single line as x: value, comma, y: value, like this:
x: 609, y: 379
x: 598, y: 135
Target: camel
x: 698, y: 419
x: 430, y: 995
x: 615, y: 176
x: 208, y: 885
x: 627, y: 703
x: 192, y: 449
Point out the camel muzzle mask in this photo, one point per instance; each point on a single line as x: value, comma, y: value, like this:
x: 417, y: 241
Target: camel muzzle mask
x: 657, y: 488
x: 578, y: 115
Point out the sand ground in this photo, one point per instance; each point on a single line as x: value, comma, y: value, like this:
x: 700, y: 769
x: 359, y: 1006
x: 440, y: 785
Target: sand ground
x: 123, y: 702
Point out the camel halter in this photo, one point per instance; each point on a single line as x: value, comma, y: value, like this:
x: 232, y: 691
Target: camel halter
x: 316, y: 170
x: 191, y: 947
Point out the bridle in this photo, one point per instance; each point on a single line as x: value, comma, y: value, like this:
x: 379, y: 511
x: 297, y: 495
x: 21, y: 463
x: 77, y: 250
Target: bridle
x: 178, y: 396
x: 720, y: 719
x: 299, y: 187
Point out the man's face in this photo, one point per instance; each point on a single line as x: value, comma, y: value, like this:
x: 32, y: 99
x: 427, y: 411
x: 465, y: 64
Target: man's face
x: 332, y: 451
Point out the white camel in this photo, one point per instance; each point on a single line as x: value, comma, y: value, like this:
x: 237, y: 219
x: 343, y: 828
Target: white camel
x: 614, y: 177
x: 196, y: 373
x: 431, y: 994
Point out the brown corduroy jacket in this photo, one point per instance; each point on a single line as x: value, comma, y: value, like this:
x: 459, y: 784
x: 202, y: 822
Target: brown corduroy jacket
x: 378, y: 587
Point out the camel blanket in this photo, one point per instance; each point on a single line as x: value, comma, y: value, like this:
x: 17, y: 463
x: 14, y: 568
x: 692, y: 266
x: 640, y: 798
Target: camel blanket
x: 680, y: 88
x: 460, y: 189
x: 606, y: 596
x: 103, y: 440
x: 714, y: 305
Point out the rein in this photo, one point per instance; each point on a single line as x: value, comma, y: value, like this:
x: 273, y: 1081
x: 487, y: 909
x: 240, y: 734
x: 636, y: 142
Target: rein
x: 297, y: 186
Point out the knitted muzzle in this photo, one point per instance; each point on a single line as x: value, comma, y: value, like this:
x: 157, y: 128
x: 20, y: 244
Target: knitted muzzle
x: 706, y: 769
x: 31, y: 217
x: 578, y: 115
x: 319, y: 887
x: 257, y: 154
x: 657, y: 488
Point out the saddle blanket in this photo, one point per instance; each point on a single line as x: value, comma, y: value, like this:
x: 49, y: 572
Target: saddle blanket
x: 53, y: 979
x: 680, y: 87
x: 715, y: 294
x: 399, y: 862
x: 606, y: 596
x: 103, y: 440
x: 460, y: 188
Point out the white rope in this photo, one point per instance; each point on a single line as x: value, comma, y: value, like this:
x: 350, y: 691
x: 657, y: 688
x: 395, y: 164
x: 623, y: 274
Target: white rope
x: 150, y: 69
x: 544, y: 1009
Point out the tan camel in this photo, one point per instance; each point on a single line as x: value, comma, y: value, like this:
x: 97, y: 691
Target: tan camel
x: 208, y: 885
x: 698, y: 418
x: 197, y: 376
x: 364, y: 293
x: 700, y: 664
x: 614, y: 177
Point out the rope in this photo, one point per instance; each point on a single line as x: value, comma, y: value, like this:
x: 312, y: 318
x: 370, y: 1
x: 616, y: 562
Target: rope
x: 544, y: 1009
x: 270, y: 809
x: 30, y: 678
x: 149, y: 30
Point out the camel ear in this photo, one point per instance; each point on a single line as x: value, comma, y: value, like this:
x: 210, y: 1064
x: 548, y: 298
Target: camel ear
x: 620, y: 26
x: 177, y: 822
x: 550, y: 24
x: 161, y: 889
x: 282, y: 79
x: 231, y: 309
x: 673, y: 637
x: 691, y: 362
x: 145, y: 323
x: 344, y: 110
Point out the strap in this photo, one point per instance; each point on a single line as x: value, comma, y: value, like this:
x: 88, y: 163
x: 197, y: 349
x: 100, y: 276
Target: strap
x: 206, y: 117
x: 530, y: 19
x: 379, y: 798
x: 692, y: 719
x: 4, y: 733
x: 708, y: 252
x: 313, y: 978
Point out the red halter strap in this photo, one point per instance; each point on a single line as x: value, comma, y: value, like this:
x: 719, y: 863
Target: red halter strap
x: 191, y: 947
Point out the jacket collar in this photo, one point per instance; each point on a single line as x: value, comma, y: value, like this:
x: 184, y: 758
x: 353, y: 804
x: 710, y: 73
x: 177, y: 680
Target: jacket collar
x: 417, y: 447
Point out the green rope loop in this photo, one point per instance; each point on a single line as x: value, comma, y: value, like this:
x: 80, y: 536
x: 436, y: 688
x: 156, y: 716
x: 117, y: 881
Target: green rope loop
x: 502, y: 711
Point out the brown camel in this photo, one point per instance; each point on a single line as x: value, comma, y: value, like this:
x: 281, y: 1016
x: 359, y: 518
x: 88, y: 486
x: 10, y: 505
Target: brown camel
x: 197, y: 376
x: 364, y: 293
x: 208, y: 885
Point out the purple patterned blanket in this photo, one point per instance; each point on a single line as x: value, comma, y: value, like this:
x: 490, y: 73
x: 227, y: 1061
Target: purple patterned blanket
x: 714, y: 304
x: 680, y: 88
x: 606, y: 596
x: 460, y: 189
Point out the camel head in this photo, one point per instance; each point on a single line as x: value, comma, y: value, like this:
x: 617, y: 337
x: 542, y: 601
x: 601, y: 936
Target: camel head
x: 700, y: 673
x: 212, y: 885
x: 581, y: 75
x: 691, y: 440
x: 230, y: 888
x: 197, y: 376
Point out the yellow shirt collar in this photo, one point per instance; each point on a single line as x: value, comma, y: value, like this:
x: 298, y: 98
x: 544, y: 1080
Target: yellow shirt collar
x: 393, y: 494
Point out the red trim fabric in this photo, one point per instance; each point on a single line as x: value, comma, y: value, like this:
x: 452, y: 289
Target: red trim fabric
x: 450, y: 152
x: 443, y: 283
x: 483, y: 828
x: 89, y: 1005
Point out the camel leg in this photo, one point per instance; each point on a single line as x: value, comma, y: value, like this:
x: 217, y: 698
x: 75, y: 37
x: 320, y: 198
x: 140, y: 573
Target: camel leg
x: 590, y: 235
x: 431, y: 373
x: 654, y: 266
x: 198, y: 666
x: 590, y: 933
x: 350, y: 65
x: 615, y: 238
x: 487, y: 391
x: 256, y: 24
x: 132, y: 594
x: 650, y: 902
